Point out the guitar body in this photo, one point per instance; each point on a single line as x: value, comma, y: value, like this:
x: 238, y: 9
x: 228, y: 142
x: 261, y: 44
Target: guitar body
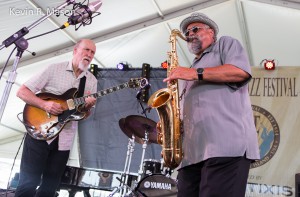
x: 44, y: 126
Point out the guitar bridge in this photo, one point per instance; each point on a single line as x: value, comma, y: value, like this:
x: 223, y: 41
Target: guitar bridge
x: 47, y: 126
x: 70, y: 103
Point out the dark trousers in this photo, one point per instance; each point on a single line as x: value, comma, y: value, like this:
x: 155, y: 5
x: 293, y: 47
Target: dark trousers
x: 41, y: 165
x: 215, y: 177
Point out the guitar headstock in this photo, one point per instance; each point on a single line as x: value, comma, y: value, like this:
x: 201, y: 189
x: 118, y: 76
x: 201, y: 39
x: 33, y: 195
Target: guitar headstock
x: 137, y: 83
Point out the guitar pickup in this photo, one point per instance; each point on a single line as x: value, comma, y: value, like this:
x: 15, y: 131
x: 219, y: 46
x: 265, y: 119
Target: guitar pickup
x: 70, y: 103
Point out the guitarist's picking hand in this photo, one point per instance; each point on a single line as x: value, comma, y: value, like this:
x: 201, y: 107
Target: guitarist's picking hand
x: 53, y: 108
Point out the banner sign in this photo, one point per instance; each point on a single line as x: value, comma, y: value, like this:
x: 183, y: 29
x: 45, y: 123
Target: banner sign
x: 276, y: 109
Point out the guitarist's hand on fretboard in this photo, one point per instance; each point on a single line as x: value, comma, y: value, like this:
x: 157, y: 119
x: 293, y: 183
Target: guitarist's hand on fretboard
x: 89, y: 103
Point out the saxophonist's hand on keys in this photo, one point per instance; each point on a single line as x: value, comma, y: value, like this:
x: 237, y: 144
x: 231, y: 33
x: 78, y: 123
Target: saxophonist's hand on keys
x: 183, y: 73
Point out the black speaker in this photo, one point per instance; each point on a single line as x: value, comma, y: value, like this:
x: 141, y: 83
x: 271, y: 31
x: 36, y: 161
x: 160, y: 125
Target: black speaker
x: 297, y: 185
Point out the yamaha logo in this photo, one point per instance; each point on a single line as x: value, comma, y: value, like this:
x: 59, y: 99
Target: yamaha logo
x: 268, y: 134
x: 158, y: 185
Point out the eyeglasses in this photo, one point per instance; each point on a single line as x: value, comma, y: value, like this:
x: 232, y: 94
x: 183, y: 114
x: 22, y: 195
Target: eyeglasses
x: 194, y: 29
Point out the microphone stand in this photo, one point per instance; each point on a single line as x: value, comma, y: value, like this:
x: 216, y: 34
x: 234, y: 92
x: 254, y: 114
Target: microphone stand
x: 21, y: 44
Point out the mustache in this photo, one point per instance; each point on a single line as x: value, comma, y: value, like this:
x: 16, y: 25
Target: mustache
x: 87, y: 59
x: 193, y: 38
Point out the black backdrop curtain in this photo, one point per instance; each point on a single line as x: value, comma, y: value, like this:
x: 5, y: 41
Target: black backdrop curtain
x: 103, y: 145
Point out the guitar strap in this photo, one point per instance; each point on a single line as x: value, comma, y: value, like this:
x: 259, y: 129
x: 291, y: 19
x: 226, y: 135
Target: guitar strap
x: 81, y: 87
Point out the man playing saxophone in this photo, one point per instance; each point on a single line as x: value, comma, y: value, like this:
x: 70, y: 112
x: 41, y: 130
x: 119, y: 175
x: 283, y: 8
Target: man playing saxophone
x: 220, y: 139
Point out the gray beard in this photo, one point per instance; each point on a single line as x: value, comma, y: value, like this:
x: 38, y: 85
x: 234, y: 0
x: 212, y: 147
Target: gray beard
x: 195, y: 45
x: 82, y: 67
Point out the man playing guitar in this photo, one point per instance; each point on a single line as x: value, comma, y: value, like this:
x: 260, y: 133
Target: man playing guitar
x: 43, y: 161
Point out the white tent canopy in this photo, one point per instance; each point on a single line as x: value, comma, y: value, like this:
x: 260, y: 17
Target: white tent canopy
x: 137, y: 31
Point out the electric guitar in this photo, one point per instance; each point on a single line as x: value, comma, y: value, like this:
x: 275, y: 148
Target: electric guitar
x: 42, y: 125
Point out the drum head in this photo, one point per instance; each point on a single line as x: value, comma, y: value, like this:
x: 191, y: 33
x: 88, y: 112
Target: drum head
x: 157, y: 185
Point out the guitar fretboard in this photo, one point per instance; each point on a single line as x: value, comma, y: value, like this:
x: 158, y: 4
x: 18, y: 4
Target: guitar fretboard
x: 81, y: 100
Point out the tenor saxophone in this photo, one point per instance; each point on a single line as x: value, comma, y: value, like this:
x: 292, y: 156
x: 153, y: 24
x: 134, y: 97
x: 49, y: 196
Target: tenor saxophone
x: 166, y: 103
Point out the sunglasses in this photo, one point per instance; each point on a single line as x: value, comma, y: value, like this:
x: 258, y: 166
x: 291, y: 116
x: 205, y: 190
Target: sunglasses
x: 194, y: 30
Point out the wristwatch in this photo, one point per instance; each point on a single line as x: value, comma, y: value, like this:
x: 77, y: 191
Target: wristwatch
x: 200, y: 72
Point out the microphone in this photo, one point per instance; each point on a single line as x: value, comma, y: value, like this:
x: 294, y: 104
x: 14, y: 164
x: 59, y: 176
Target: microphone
x: 83, y: 14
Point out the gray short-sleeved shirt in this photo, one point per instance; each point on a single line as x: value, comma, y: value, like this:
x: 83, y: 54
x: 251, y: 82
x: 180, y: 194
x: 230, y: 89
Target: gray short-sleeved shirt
x: 218, y: 118
x: 57, y: 79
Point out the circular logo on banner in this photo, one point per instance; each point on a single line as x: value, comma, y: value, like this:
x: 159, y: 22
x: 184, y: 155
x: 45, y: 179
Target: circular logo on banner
x: 268, y: 135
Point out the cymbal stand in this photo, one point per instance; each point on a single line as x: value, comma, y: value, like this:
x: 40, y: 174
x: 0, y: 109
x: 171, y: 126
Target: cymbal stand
x: 123, y: 187
x: 146, y: 139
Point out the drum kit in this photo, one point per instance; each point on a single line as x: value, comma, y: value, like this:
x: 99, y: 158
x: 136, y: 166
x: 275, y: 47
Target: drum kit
x: 153, y: 178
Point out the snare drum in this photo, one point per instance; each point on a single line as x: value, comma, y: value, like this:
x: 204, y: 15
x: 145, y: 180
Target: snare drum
x: 156, y: 185
x: 151, y: 166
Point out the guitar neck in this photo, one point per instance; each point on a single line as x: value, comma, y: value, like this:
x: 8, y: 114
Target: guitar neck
x: 133, y: 83
x: 81, y: 100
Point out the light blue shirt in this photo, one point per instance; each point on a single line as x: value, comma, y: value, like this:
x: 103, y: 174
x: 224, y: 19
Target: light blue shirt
x: 218, y: 118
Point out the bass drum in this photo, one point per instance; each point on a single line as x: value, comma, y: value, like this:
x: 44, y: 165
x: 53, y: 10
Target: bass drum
x: 157, y: 185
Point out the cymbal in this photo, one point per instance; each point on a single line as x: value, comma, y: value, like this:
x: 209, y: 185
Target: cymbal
x: 138, y: 125
x: 128, y: 132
